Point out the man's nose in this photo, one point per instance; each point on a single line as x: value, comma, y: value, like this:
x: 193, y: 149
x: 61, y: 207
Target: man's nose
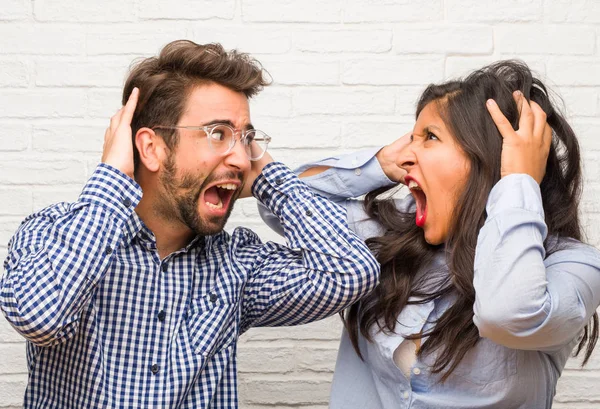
x: 237, y: 157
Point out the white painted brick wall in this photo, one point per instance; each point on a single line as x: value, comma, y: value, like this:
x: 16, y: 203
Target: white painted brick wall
x: 33, y: 39
x: 346, y: 40
x: 292, y: 11
x: 346, y: 76
x: 84, y: 11
x: 460, y: 11
x: 13, y: 73
x: 548, y: 39
x: 443, y: 39
x: 393, y: 70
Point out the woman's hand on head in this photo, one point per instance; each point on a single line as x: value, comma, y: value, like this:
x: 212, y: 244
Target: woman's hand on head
x: 526, y: 149
x: 388, y: 158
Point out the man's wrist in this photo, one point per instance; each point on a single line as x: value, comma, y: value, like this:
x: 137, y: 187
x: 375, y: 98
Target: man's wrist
x: 275, y: 182
x: 112, y: 189
x: 260, y: 165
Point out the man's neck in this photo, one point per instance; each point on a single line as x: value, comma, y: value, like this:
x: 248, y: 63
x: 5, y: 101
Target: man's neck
x: 170, y: 236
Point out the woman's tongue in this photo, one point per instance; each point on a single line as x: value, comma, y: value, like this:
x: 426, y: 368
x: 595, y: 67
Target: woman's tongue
x: 212, y: 198
x: 421, y: 208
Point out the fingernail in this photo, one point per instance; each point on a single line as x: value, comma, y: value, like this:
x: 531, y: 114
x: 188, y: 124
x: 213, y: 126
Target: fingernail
x: 517, y: 93
x: 490, y: 102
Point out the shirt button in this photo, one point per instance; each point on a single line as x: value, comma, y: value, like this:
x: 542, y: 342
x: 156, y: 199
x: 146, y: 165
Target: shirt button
x: 154, y: 369
x: 108, y: 250
x: 165, y: 267
x: 213, y: 297
x: 357, y: 171
x: 126, y: 202
x: 279, y: 181
x: 406, y: 395
x: 309, y: 213
x: 161, y: 315
x: 417, y: 371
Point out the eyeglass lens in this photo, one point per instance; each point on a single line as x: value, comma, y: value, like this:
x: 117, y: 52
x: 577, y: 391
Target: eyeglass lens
x: 222, y: 139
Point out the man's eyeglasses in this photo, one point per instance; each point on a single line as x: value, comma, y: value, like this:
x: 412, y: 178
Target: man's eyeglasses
x: 221, y: 139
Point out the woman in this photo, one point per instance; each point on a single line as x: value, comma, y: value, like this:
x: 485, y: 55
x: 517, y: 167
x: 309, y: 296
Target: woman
x: 486, y: 287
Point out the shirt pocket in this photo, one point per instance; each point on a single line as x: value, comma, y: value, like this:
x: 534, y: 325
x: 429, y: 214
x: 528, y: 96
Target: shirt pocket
x: 211, y: 324
x: 487, y: 362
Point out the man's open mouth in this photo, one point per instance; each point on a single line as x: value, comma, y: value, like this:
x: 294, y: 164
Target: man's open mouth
x: 219, y: 196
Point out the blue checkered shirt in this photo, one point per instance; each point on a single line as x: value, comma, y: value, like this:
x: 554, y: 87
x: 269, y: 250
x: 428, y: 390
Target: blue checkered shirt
x: 109, y: 324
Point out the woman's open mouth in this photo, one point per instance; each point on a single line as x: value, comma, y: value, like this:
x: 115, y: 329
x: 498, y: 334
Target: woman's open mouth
x: 421, y: 200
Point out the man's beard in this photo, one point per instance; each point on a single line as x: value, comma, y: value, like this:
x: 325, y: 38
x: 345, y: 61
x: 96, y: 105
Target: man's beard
x: 179, y: 201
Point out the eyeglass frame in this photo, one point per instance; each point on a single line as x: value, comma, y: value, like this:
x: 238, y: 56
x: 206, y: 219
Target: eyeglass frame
x: 208, y: 129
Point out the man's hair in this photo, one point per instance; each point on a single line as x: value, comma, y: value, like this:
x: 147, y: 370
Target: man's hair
x: 166, y: 81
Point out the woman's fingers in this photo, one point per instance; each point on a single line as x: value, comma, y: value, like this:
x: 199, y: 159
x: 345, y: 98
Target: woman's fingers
x: 526, y: 118
x: 547, y: 136
x: 503, y: 125
x: 524, y: 150
x: 539, y: 122
x: 389, y: 155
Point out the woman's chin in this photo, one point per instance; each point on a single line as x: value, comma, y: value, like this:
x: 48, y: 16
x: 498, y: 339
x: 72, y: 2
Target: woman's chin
x: 433, y: 238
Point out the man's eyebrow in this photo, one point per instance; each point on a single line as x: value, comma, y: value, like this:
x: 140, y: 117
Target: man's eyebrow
x: 219, y: 121
x: 248, y: 126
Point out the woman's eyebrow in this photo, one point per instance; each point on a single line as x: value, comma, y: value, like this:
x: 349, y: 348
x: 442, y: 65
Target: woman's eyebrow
x: 433, y: 127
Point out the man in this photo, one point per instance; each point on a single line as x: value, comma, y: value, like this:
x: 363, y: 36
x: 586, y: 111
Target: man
x: 134, y: 296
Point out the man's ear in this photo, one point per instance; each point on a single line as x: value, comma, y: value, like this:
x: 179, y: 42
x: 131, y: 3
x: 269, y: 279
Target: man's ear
x: 151, y: 147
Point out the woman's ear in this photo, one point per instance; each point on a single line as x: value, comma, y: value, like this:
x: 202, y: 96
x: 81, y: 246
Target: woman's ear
x: 151, y: 148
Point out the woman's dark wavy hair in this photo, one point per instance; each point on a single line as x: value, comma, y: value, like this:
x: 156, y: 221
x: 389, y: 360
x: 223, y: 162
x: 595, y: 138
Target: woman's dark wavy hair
x: 402, y: 251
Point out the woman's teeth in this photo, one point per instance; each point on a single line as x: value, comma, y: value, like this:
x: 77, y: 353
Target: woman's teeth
x: 215, y: 206
x: 413, y: 185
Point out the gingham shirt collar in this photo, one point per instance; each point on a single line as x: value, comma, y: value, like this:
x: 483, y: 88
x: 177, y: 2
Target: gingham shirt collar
x: 135, y: 229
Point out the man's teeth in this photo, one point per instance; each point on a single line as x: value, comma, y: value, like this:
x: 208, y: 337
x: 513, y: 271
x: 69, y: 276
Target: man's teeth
x: 413, y: 185
x: 228, y: 186
x: 215, y: 206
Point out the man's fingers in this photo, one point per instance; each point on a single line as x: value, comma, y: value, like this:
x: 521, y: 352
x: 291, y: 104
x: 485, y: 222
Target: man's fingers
x: 505, y: 128
x: 539, y: 121
x: 129, y: 108
x: 106, y: 140
x: 115, y: 120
